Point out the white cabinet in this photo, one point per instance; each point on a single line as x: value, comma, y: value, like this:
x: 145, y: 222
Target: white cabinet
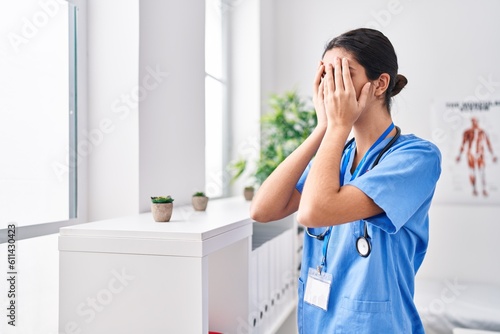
x: 190, y: 275
x: 273, y: 275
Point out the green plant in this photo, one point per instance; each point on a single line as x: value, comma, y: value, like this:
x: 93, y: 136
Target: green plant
x: 283, y: 129
x: 238, y: 168
x: 162, y: 199
x: 199, y: 194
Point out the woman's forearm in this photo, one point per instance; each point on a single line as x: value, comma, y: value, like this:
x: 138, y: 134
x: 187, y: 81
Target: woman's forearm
x: 323, y: 181
x: 273, y: 200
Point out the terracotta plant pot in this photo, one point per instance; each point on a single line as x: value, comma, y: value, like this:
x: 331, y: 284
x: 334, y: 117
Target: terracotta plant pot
x: 248, y: 193
x: 200, y: 203
x: 162, y: 211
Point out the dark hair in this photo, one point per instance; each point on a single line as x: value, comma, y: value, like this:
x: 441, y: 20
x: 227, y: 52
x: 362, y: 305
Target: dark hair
x: 375, y: 53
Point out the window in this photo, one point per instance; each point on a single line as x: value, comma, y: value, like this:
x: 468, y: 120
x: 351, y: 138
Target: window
x: 215, y: 100
x: 39, y: 112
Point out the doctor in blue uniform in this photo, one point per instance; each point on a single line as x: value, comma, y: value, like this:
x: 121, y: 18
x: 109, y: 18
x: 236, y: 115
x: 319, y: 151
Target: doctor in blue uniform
x: 363, y: 201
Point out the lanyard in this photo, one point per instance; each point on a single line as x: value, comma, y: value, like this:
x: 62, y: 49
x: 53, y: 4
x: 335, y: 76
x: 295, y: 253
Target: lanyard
x: 345, y: 161
x: 325, y: 249
x: 347, y: 157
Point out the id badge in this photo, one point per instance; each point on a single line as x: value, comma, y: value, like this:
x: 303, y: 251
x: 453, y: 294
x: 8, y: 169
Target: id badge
x: 318, y: 288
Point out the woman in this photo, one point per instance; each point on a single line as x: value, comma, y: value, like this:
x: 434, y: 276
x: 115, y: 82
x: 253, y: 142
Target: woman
x: 366, y: 220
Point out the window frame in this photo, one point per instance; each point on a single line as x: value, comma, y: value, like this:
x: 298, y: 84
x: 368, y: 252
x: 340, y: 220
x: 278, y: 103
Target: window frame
x: 226, y: 117
x: 77, y: 122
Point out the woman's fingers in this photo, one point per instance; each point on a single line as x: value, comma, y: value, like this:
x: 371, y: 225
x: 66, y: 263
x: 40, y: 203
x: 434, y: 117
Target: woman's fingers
x: 346, y: 76
x: 329, y: 84
x: 321, y: 88
x: 319, y: 76
x: 318, y: 96
x: 339, y: 83
x: 363, y: 97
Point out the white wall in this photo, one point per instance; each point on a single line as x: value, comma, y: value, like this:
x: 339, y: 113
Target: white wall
x: 159, y: 150
x: 244, y: 85
x: 267, y: 52
x: 443, y: 48
x: 113, y: 158
x: 37, y: 287
x: 172, y: 114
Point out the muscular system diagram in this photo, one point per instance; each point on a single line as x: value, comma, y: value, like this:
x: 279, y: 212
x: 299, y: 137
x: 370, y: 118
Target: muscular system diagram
x: 474, y: 142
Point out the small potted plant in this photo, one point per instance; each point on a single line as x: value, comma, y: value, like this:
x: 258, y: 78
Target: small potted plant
x: 248, y: 192
x: 161, y: 208
x: 238, y: 168
x: 200, y: 201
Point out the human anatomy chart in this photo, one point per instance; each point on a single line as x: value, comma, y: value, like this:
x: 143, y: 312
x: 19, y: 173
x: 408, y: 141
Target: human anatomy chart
x: 468, y: 135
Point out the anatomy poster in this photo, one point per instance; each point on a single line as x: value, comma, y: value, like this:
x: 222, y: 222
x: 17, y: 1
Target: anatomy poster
x: 468, y: 135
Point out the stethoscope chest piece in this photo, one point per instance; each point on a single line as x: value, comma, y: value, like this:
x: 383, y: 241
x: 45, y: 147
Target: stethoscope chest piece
x: 363, y: 246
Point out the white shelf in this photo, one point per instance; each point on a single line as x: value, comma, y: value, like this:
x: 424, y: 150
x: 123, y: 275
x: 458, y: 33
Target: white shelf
x: 186, y: 224
x: 189, y: 275
x: 189, y: 233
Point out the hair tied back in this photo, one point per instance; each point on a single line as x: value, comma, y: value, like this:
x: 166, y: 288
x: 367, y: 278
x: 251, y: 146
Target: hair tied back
x: 400, y: 83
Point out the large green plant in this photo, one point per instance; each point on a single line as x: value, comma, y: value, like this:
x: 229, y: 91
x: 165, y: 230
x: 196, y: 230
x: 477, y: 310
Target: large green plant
x: 283, y: 129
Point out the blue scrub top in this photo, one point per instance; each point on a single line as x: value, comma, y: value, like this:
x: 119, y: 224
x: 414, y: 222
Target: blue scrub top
x: 374, y: 295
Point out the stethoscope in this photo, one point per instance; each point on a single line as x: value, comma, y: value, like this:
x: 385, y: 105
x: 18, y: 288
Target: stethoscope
x: 363, y: 244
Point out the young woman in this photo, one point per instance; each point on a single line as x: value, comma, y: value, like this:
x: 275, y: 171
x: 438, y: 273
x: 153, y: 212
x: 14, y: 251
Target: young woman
x: 364, y: 203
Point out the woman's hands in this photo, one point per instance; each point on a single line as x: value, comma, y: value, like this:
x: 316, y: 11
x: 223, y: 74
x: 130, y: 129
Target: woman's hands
x: 324, y: 200
x: 318, y: 100
x: 341, y: 106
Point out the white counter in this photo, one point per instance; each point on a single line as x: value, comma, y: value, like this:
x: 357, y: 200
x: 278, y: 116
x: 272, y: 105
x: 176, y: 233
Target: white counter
x: 189, y: 232
x: 134, y: 275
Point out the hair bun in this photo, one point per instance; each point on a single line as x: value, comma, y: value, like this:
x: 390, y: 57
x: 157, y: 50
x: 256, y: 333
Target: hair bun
x: 401, y: 82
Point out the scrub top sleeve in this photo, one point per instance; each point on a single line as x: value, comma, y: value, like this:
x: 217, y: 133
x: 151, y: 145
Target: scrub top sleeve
x: 401, y: 183
x: 300, y: 184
